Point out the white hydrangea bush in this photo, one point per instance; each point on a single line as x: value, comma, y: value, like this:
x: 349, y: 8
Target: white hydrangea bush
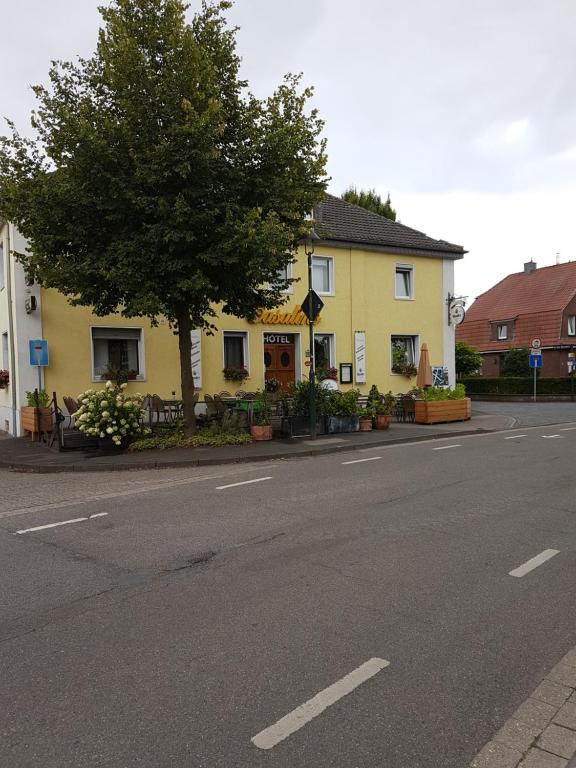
x: 110, y: 413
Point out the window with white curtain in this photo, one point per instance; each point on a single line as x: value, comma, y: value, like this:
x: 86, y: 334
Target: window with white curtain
x: 322, y: 275
x: 118, y: 349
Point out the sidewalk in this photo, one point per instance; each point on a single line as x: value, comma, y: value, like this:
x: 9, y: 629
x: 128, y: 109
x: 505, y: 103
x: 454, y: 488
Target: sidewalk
x: 23, y: 455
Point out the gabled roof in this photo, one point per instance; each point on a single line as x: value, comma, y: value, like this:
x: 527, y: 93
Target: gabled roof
x: 342, y: 223
x: 543, y: 290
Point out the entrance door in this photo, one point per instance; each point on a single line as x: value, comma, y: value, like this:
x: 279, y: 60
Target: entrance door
x: 279, y: 359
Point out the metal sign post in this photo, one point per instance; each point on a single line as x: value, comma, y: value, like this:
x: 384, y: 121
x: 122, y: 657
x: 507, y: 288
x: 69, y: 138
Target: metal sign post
x: 535, y: 362
x: 38, y: 351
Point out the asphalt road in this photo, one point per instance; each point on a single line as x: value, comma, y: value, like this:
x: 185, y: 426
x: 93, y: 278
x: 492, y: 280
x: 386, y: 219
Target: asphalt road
x: 177, y: 619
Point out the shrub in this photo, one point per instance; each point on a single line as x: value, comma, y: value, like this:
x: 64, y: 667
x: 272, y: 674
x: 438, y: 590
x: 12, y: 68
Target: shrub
x: 431, y: 394
x: 518, y: 385
x: 468, y: 360
x: 38, y: 398
x: 300, y: 403
x: 110, y: 413
x: 205, y: 437
x: 343, y: 403
x: 516, y: 362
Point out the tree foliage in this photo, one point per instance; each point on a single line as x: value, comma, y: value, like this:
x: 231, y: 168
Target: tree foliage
x: 156, y: 184
x: 516, y: 362
x: 468, y: 360
x: 370, y: 200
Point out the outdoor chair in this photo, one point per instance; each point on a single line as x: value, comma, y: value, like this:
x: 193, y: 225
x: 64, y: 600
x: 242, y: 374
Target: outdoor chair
x: 211, y: 408
x: 220, y: 406
x: 224, y: 394
x: 72, y: 406
x: 158, y: 407
x: 408, y: 408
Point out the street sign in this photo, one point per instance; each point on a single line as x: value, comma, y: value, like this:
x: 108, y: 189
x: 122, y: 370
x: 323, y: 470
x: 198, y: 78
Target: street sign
x: 312, y: 306
x: 38, y: 349
x: 457, y: 313
x: 535, y: 361
x: 536, y: 343
x: 536, y: 351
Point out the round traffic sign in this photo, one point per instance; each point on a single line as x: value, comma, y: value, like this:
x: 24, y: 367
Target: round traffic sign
x: 536, y: 343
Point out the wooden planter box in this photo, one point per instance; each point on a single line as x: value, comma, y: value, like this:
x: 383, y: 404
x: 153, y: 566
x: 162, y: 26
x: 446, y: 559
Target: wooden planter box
x: 31, y: 423
x: 439, y: 411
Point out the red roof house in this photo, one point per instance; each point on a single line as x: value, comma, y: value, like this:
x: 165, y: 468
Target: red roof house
x: 533, y: 304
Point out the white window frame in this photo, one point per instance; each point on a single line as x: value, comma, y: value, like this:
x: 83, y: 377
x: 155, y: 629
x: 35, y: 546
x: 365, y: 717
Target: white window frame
x: 502, y: 331
x: 405, y: 268
x: 571, y: 325
x: 416, y: 342
x: 141, y: 352
x: 331, y: 348
x: 330, y: 260
x: 245, y: 350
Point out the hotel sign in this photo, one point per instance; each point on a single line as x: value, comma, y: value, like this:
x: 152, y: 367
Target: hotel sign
x: 280, y: 317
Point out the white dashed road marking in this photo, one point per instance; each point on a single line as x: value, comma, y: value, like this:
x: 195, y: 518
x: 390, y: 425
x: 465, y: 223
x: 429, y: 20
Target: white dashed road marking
x: 63, y: 522
x: 547, y: 437
x: 514, y: 437
x: 445, y: 447
x: 245, y: 482
x: 534, y: 562
x: 306, y: 712
x: 359, y: 461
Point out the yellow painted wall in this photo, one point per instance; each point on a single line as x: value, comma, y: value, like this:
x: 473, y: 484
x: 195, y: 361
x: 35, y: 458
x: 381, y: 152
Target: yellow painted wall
x: 363, y: 301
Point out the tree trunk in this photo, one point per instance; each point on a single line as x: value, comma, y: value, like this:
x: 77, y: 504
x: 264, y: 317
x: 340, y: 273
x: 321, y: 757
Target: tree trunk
x: 186, y: 378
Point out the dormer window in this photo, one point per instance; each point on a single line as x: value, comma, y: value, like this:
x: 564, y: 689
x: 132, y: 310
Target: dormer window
x: 571, y: 325
x: 502, y: 332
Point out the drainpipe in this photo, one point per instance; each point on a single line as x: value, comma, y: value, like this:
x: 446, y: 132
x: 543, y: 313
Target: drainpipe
x: 11, y: 331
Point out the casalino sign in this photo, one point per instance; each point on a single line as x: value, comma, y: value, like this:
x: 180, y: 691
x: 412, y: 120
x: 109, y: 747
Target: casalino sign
x: 275, y: 317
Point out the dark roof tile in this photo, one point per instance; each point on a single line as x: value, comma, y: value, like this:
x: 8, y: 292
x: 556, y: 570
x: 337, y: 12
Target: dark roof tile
x: 337, y: 220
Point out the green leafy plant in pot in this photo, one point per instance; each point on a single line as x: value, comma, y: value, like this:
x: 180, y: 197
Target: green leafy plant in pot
x: 261, y: 427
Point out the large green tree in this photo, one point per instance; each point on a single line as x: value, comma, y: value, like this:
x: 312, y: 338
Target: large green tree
x: 468, y: 360
x: 371, y: 200
x: 516, y: 362
x: 156, y: 184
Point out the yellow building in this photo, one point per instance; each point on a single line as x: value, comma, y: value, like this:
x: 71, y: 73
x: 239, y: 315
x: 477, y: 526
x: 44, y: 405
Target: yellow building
x: 384, y: 287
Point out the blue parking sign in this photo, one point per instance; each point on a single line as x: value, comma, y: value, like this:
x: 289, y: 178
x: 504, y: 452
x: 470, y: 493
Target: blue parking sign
x: 38, y: 352
x: 535, y: 361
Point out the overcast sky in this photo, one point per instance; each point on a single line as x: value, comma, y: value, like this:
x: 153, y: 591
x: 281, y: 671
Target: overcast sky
x: 463, y: 111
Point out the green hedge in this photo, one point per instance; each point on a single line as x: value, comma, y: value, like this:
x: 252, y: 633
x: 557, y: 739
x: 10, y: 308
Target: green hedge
x: 484, y: 385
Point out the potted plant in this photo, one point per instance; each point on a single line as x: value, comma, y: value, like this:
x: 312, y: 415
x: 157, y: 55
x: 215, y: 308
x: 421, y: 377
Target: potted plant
x: 111, y: 416
x: 36, y: 416
x: 400, y: 362
x: 238, y: 375
x: 343, y: 411
x: 261, y: 427
x: 4, y: 379
x: 442, y: 404
x: 118, y: 375
x: 272, y: 385
x: 383, y: 409
x: 366, y: 416
x: 295, y: 420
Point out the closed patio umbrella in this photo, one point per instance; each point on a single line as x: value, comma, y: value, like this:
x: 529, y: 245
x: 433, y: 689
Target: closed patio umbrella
x: 424, y: 376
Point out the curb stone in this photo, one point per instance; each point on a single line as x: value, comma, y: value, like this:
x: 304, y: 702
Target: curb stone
x: 92, y: 466
x: 542, y: 731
